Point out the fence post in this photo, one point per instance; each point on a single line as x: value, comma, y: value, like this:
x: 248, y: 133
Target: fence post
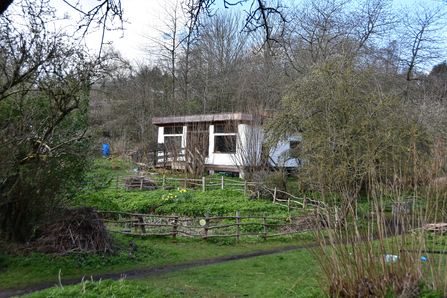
x: 185, y: 182
x: 141, y: 182
x: 288, y: 204
x: 174, y: 228
x: 222, y: 182
x: 274, y: 196
x: 265, y: 227
x: 117, y: 176
x: 163, y: 182
x: 291, y: 233
x: 206, y: 225
x: 135, y: 226
x: 237, y: 226
x: 245, y: 187
x: 143, y: 227
x: 203, y: 184
x: 304, y: 202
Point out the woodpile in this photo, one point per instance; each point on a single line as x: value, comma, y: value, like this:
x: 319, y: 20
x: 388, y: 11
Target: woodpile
x: 141, y: 183
x: 437, y: 227
x: 74, y: 230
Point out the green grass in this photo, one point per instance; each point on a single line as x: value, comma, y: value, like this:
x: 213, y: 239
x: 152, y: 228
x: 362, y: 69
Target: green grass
x: 290, y: 274
x: 152, y: 252
x: 110, y: 168
x: 215, y: 202
x: 106, y: 288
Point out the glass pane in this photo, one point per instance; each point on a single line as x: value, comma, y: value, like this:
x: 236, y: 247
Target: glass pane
x: 225, y: 144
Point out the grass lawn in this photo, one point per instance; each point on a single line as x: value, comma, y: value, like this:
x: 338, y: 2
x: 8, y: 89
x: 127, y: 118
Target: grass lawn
x: 152, y: 252
x: 290, y: 274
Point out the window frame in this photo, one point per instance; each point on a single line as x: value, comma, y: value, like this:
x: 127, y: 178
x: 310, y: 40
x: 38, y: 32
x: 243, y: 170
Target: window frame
x: 175, y: 130
x: 233, y: 136
x: 228, y: 128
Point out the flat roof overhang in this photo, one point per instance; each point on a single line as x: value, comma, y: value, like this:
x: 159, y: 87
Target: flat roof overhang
x: 205, y: 118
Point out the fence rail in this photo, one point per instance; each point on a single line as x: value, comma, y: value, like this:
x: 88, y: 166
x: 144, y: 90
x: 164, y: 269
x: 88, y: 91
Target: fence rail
x: 279, y: 197
x: 208, y: 226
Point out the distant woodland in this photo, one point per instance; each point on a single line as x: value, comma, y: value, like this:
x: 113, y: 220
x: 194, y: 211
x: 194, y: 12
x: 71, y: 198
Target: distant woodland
x: 224, y: 65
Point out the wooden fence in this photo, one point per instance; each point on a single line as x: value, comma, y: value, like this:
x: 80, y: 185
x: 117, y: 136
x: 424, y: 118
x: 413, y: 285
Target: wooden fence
x: 208, y: 226
x: 279, y: 197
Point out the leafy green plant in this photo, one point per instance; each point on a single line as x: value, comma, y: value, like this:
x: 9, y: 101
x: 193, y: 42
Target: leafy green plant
x: 106, y: 288
x: 185, y: 197
x: 189, y: 203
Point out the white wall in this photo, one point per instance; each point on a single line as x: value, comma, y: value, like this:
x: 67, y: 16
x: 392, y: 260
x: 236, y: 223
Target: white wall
x: 244, y: 139
x: 161, y: 139
x: 281, y: 152
x: 223, y: 159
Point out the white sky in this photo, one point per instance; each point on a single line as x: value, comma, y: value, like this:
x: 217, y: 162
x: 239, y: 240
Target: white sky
x: 138, y: 13
x: 141, y: 15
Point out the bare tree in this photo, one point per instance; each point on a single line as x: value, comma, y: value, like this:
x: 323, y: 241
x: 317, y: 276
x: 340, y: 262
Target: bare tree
x: 44, y: 102
x: 218, y: 58
x: 321, y: 29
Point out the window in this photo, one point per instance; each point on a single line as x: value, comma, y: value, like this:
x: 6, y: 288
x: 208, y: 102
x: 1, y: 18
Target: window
x: 295, y: 148
x: 225, y: 128
x: 225, y: 144
x: 173, y: 130
x: 173, y: 142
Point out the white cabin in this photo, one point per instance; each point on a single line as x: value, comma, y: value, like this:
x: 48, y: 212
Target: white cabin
x: 224, y: 142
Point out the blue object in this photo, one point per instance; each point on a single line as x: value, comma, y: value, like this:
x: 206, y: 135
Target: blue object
x: 127, y: 231
x: 105, y: 149
x: 424, y: 259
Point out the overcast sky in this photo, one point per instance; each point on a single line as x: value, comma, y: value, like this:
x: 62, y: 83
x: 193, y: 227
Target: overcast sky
x: 142, y: 16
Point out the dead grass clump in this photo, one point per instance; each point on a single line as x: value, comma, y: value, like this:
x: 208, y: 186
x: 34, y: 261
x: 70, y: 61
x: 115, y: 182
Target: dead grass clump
x: 405, y: 285
x: 441, y: 183
x: 79, y: 229
x: 141, y: 182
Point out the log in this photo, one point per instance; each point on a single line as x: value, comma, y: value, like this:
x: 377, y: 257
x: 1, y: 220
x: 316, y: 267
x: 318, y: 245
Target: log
x: 134, y: 247
x: 233, y: 235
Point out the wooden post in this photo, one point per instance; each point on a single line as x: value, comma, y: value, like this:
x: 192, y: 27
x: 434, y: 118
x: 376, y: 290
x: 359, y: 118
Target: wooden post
x: 259, y: 195
x: 237, y: 226
x: 288, y: 204
x: 185, y: 182
x: 222, y: 183
x: 304, y: 202
x: 265, y: 226
x: 207, y: 221
x: 245, y: 187
x: 135, y: 226
x: 163, y: 182
x: 174, y: 228
x: 141, y: 182
x: 291, y: 232
x: 274, y: 196
x: 143, y: 227
x: 117, y: 176
x: 203, y: 184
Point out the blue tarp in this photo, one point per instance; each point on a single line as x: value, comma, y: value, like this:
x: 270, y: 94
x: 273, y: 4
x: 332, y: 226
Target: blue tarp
x: 105, y: 149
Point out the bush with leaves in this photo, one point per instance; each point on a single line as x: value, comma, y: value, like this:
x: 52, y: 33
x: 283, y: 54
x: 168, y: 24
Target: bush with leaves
x: 350, y: 129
